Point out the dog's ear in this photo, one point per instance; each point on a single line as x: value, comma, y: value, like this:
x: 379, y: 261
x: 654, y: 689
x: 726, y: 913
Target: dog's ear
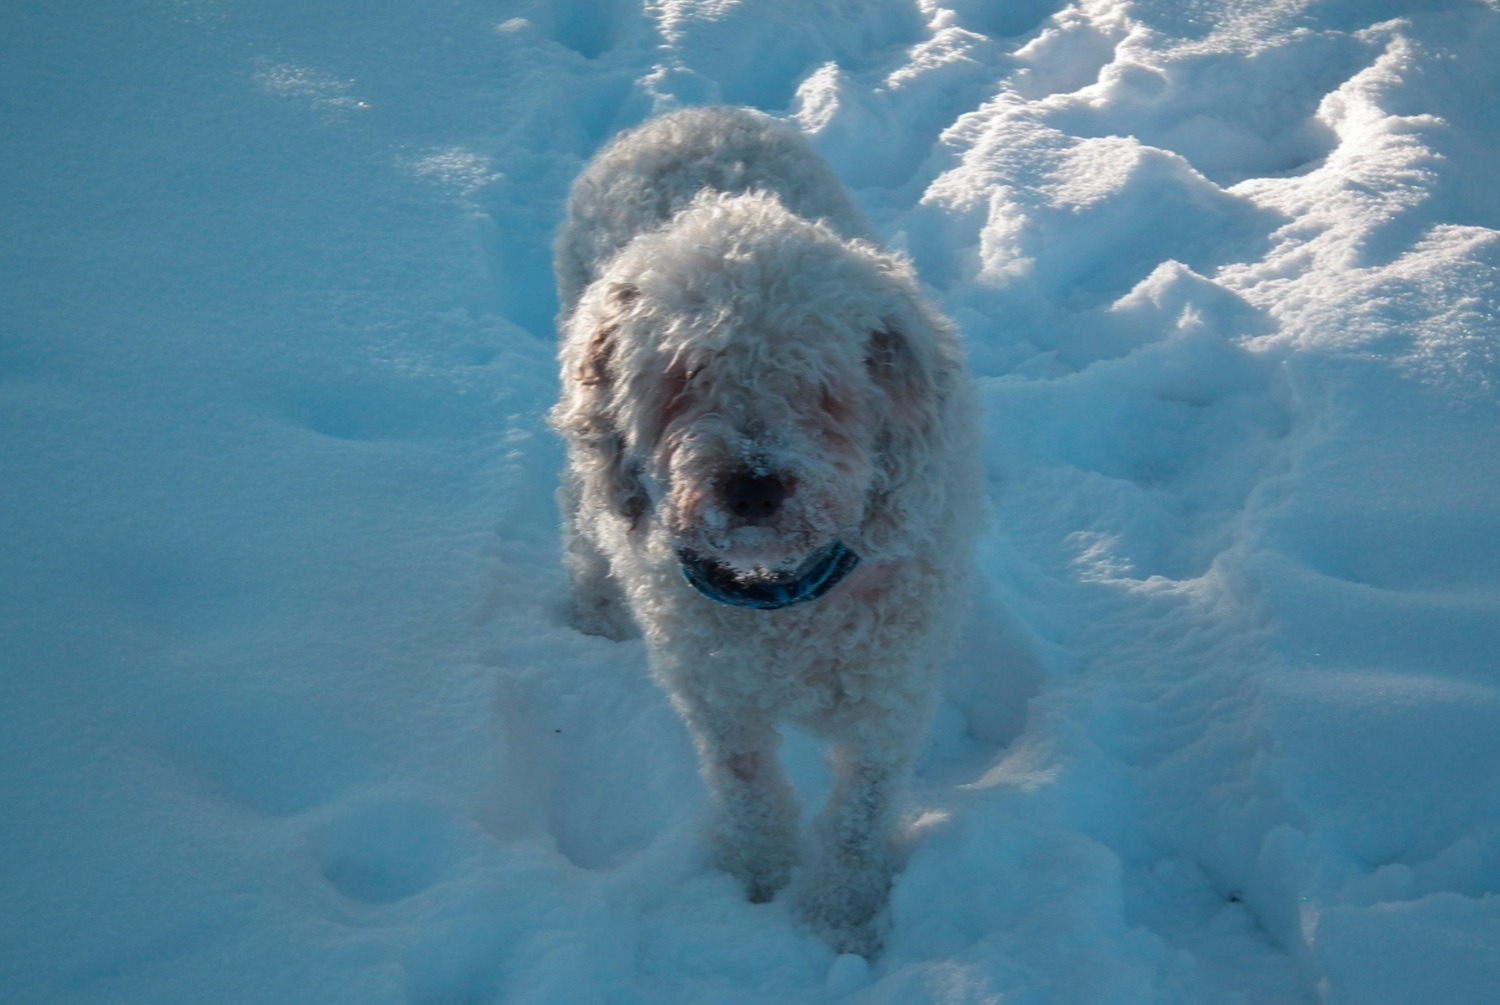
x: 585, y: 413
x: 595, y: 368
x: 911, y: 360
x: 588, y: 355
x: 901, y: 369
x: 621, y: 480
x: 898, y: 370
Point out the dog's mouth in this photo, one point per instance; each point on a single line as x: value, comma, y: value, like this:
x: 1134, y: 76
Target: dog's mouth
x: 769, y: 591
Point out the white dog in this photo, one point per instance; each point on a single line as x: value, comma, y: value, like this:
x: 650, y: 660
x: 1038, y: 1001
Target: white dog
x: 773, y: 469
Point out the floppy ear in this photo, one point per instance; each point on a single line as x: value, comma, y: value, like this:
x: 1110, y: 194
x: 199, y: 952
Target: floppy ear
x: 900, y: 371
x: 913, y: 360
x: 585, y: 413
x: 596, y: 367
x: 614, y: 477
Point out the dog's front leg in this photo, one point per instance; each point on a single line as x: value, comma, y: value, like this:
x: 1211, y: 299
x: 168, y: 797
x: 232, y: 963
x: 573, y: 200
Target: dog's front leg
x: 851, y: 873
x: 754, y: 808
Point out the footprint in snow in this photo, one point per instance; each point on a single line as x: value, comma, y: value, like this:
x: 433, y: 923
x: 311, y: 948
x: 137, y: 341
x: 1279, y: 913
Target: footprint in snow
x: 385, y: 852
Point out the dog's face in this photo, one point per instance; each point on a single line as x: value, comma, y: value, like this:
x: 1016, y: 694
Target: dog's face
x: 744, y: 377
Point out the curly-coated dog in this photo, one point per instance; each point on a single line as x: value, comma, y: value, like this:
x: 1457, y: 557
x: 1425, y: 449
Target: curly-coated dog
x: 773, y: 472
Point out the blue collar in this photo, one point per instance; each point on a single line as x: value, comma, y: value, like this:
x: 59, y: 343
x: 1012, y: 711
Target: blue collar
x: 815, y: 577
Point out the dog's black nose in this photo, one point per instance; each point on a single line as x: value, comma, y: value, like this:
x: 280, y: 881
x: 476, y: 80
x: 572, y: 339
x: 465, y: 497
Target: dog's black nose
x: 754, y: 498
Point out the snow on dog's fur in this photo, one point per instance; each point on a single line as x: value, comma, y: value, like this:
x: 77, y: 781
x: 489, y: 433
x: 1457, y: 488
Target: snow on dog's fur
x: 761, y: 409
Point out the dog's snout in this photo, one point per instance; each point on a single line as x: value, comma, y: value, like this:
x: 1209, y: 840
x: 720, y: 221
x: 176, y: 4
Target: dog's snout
x: 754, y: 498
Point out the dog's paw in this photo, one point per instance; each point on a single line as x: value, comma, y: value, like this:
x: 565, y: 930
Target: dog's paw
x: 762, y: 888
x: 843, y: 900
x: 760, y: 850
x: 859, y: 940
x: 762, y: 870
x: 843, y: 935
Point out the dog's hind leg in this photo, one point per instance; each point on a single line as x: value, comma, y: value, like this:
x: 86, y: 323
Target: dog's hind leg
x: 597, y: 601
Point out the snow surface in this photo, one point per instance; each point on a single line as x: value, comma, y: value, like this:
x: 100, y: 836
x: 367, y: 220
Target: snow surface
x: 290, y: 714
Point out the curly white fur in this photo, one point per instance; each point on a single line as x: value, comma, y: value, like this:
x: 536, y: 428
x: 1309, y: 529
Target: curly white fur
x: 725, y: 323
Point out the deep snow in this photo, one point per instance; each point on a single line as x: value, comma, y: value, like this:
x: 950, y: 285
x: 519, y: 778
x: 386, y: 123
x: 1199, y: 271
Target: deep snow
x: 290, y: 714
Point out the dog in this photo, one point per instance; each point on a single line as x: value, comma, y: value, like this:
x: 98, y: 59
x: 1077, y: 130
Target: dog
x: 773, y: 475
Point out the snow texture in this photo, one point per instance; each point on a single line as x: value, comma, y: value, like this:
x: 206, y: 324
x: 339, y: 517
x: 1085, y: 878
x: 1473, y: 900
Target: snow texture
x: 290, y: 710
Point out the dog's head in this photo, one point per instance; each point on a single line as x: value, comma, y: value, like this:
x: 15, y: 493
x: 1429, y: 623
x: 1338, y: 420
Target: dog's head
x: 755, y: 393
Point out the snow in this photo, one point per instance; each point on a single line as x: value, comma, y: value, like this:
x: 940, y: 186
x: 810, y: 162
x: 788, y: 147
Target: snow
x: 290, y: 712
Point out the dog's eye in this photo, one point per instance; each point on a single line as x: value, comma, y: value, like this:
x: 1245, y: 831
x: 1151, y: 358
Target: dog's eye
x: 683, y: 377
x: 678, y: 384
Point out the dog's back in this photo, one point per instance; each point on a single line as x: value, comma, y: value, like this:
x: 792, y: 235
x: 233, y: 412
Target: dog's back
x: 644, y: 177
